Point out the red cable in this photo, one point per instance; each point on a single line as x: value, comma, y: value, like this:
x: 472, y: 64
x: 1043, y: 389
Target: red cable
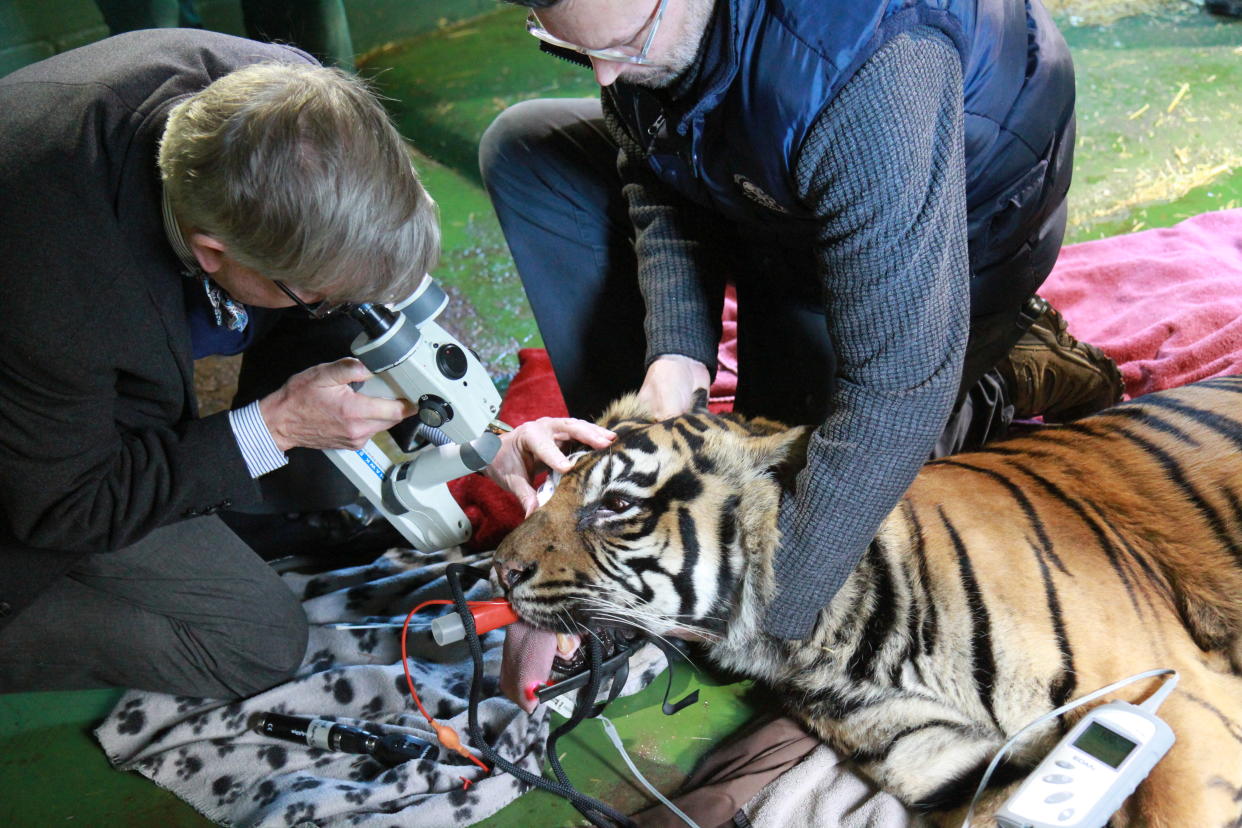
x: 405, y: 659
x: 446, y: 734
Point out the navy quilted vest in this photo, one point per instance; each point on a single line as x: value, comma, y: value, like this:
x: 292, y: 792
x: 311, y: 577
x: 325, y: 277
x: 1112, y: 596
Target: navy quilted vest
x: 772, y: 66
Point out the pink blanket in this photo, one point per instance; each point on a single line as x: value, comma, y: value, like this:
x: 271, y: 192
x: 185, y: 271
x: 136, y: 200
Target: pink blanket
x: 1166, y: 304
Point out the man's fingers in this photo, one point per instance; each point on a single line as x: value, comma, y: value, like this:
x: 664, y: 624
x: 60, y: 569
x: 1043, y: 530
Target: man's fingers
x: 593, y: 435
x: 345, y: 371
x: 539, y: 443
x: 543, y: 438
x: 543, y: 448
x: 384, y: 412
x: 520, y: 487
x: 564, y: 429
x: 408, y: 409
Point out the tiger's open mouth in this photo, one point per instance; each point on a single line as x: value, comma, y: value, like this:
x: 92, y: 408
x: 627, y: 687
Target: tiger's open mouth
x: 535, y: 657
x: 571, y: 656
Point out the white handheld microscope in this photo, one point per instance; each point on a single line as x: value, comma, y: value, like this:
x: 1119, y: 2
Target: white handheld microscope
x: 412, y: 357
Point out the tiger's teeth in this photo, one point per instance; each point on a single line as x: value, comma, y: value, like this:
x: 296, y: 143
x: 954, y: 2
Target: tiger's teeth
x: 564, y: 644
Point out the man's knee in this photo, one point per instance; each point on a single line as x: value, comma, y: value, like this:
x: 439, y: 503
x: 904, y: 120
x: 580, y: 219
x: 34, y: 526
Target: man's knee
x: 510, y: 142
x: 259, y: 651
x: 543, y: 142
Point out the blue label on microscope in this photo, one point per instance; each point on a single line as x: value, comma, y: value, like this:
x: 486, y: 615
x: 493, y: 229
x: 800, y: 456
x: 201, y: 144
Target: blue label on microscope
x: 366, y: 458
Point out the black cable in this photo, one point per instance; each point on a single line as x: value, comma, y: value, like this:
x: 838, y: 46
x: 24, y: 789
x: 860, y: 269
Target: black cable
x: 585, y: 804
x: 671, y: 654
x: 583, y: 707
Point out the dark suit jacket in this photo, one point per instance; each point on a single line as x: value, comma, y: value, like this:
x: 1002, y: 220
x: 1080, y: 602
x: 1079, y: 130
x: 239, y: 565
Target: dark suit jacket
x: 99, y: 437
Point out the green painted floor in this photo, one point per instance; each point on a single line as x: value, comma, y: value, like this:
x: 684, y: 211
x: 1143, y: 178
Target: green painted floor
x: 1160, y: 101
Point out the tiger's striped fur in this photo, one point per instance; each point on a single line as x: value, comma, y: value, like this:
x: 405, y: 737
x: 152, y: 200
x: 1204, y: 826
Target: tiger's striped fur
x: 1006, y: 582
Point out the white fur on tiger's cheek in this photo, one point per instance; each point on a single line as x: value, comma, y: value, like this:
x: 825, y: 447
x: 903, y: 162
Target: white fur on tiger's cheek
x: 545, y: 490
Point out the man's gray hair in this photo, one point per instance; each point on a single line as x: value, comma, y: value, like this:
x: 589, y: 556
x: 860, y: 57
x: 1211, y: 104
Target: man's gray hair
x: 299, y: 171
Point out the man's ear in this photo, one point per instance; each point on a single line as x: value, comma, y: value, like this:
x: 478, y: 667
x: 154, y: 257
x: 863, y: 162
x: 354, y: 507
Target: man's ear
x: 209, y: 251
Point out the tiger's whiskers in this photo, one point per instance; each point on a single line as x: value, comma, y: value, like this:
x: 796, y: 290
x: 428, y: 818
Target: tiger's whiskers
x: 572, y: 627
x: 643, y: 621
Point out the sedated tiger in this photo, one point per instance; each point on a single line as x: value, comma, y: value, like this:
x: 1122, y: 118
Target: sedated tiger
x: 1006, y: 582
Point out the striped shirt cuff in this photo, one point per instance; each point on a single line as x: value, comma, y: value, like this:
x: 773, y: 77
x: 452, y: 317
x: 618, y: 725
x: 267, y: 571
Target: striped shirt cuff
x: 255, y: 441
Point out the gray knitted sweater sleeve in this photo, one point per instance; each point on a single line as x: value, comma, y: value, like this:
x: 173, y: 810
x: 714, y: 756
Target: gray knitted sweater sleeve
x: 679, y: 274
x: 884, y: 169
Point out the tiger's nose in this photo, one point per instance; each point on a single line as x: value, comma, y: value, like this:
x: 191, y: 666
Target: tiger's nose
x: 512, y: 573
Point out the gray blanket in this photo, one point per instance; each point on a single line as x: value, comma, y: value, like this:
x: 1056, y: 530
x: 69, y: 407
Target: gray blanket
x: 822, y: 790
x: 207, y: 753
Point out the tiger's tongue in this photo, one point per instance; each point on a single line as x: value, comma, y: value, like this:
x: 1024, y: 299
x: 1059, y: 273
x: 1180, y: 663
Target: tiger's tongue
x: 527, y: 662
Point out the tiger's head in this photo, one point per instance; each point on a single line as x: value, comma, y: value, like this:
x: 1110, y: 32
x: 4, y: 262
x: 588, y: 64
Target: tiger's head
x: 661, y: 532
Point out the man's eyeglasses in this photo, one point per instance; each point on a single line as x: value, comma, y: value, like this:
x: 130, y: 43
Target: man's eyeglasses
x: 317, y: 310
x: 615, y: 54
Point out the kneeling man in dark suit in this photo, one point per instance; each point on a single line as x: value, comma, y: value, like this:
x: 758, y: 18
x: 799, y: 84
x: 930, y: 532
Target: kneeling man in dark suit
x: 169, y: 195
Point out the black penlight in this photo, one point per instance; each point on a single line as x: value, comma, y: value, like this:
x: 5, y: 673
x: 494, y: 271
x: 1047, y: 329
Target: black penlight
x: 388, y: 748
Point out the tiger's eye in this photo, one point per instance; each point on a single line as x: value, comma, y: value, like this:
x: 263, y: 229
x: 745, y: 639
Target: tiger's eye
x: 615, y: 503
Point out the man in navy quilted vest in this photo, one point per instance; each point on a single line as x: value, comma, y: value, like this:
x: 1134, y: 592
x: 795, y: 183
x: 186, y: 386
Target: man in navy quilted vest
x: 884, y: 183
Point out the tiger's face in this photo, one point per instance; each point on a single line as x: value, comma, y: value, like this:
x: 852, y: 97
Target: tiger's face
x: 655, y: 533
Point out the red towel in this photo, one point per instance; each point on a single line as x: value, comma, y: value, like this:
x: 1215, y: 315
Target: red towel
x: 492, y: 511
x: 1165, y: 304
x: 725, y: 385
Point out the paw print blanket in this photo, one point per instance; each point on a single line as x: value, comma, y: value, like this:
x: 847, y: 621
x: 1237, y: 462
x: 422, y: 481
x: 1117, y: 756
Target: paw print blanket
x: 208, y: 753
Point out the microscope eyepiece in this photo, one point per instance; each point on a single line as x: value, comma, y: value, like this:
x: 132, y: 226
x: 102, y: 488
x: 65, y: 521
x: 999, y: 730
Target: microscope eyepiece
x: 375, y: 319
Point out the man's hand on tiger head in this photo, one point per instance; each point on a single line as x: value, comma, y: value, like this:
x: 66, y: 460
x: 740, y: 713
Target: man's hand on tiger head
x: 671, y: 381
x: 536, y: 446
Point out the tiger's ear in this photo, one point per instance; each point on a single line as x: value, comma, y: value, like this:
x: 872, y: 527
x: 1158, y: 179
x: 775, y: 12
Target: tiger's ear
x: 628, y: 409
x: 778, y: 451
